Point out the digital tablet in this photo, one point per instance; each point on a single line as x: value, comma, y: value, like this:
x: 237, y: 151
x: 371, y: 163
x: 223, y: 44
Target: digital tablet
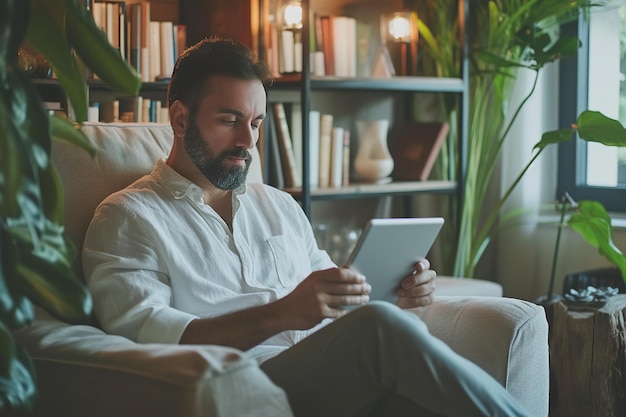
x: 388, y: 249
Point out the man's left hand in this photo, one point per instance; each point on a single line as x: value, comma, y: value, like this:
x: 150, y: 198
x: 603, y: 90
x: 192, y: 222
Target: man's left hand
x: 417, y: 289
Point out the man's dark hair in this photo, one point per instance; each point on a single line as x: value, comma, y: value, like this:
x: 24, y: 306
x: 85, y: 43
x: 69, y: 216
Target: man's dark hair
x: 209, y: 57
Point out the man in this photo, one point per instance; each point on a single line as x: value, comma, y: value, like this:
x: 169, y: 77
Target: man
x: 193, y: 254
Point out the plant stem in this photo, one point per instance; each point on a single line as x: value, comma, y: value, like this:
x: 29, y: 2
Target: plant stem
x: 556, y: 249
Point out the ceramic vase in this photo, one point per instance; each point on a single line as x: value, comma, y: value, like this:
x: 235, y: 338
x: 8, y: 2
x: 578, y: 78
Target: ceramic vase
x: 373, y: 161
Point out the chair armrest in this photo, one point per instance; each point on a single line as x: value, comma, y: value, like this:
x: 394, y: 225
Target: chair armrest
x: 506, y: 337
x: 83, y: 371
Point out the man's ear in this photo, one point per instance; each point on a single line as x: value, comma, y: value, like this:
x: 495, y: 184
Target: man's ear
x: 179, y: 118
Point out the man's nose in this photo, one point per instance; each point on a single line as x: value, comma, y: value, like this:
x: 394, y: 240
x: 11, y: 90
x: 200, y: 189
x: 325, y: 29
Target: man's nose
x: 247, y: 137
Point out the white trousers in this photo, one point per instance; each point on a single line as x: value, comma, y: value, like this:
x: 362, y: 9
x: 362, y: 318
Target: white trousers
x: 379, y: 360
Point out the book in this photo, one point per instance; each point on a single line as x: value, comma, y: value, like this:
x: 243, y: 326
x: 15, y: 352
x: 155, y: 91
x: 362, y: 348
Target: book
x: 273, y: 168
x: 154, y: 48
x: 167, y: 48
x: 292, y: 179
x: 336, y: 157
x: 288, y: 52
x: 327, y: 44
x: 295, y: 128
x: 135, y: 35
x: 345, y: 177
x: 416, y: 149
x: 344, y: 46
x: 314, y: 148
x: 326, y: 131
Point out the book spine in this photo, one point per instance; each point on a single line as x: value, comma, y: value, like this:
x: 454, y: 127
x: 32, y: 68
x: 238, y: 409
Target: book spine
x: 326, y: 127
x: 314, y: 148
x: 286, y: 149
x: 336, y: 157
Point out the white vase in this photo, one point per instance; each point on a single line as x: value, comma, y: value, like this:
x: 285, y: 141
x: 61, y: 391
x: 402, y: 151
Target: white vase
x: 373, y: 161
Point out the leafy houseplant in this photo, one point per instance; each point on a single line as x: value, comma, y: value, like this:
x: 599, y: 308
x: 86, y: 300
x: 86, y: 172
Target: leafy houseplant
x: 594, y: 224
x: 35, y: 255
x: 504, y: 36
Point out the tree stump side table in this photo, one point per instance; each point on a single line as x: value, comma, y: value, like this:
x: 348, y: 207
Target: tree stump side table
x: 588, y: 356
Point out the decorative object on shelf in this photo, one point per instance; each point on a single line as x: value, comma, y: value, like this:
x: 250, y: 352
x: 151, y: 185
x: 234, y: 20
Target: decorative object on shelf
x: 399, y: 30
x: 33, y: 64
x: 373, y: 160
x: 290, y: 24
x: 416, y: 149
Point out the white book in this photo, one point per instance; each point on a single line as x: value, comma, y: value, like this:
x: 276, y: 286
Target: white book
x: 295, y: 128
x: 288, y: 51
x: 344, y: 46
x: 314, y: 148
x: 154, y: 46
x: 139, y: 109
x: 167, y: 48
x: 109, y: 16
x: 336, y: 157
x: 326, y: 131
x: 145, y: 65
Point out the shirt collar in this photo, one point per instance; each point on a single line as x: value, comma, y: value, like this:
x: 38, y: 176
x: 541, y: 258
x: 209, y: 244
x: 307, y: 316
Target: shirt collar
x: 180, y: 186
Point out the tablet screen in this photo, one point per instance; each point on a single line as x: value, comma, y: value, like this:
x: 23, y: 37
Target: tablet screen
x: 388, y: 249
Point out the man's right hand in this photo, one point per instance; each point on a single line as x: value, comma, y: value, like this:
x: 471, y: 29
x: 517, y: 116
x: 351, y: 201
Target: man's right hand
x: 323, y: 294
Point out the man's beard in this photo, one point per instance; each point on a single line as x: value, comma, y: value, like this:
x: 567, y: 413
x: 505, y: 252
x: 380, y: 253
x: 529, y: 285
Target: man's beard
x: 213, y: 167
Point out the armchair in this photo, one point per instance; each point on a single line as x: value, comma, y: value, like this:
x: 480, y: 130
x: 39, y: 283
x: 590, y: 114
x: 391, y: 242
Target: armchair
x: 83, y: 371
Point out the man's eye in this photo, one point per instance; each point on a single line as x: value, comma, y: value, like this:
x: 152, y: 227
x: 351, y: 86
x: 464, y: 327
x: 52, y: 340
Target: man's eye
x: 229, y: 121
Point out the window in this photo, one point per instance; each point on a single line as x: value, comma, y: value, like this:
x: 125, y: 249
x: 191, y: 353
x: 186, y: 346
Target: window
x: 594, y: 80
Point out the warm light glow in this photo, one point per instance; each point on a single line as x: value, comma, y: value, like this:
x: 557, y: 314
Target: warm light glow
x: 400, y: 29
x: 293, y: 15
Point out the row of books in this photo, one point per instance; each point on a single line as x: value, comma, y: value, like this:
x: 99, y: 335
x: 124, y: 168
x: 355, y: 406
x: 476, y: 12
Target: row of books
x: 151, y: 47
x: 339, y: 46
x: 329, y: 148
x: 129, y: 109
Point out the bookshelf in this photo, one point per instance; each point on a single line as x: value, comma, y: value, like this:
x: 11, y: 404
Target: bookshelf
x: 343, y: 95
x: 348, y: 98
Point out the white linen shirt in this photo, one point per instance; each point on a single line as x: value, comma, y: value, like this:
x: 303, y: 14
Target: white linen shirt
x: 156, y: 257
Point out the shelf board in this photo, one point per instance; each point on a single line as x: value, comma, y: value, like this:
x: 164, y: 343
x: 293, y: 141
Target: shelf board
x: 361, y: 190
x: 399, y: 83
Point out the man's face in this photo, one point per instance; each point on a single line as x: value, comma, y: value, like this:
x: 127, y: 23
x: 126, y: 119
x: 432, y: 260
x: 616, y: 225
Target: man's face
x: 226, y: 126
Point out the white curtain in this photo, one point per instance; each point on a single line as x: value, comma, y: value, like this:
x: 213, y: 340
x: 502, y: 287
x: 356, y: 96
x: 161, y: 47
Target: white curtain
x: 523, y: 246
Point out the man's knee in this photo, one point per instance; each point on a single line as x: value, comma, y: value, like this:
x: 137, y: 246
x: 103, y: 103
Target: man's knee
x: 387, y: 316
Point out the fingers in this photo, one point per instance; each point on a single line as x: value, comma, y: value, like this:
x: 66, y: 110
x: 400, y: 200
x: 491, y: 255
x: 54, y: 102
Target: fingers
x: 408, y: 302
x: 418, y: 278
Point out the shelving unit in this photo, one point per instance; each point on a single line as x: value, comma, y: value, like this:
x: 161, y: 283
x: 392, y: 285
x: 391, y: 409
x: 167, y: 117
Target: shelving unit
x: 308, y: 85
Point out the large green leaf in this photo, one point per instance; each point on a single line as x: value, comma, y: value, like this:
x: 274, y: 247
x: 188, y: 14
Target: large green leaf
x: 594, y: 224
x: 594, y: 126
x: 47, y: 34
x: 95, y: 50
x: 70, y: 132
x: 17, y: 383
x: 15, y: 310
x: 13, y: 17
x: 47, y: 280
x: 11, y: 164
x: 553, y: 137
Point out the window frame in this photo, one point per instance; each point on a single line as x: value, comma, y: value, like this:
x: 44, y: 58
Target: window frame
x: 573, y: 86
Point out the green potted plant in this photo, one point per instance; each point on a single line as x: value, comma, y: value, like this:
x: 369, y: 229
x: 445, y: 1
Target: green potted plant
x: 505, y: 35
x: 35, y: 255
x: 593, y: 223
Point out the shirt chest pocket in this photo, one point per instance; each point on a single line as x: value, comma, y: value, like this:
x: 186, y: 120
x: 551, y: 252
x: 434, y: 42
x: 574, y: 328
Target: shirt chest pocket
x: 290, y: 259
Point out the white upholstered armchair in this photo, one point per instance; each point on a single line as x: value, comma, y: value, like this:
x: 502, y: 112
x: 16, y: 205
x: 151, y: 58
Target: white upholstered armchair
x: 83, y: 371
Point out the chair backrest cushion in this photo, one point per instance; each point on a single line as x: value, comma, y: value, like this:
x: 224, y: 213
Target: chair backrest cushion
x: 125, y: 152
